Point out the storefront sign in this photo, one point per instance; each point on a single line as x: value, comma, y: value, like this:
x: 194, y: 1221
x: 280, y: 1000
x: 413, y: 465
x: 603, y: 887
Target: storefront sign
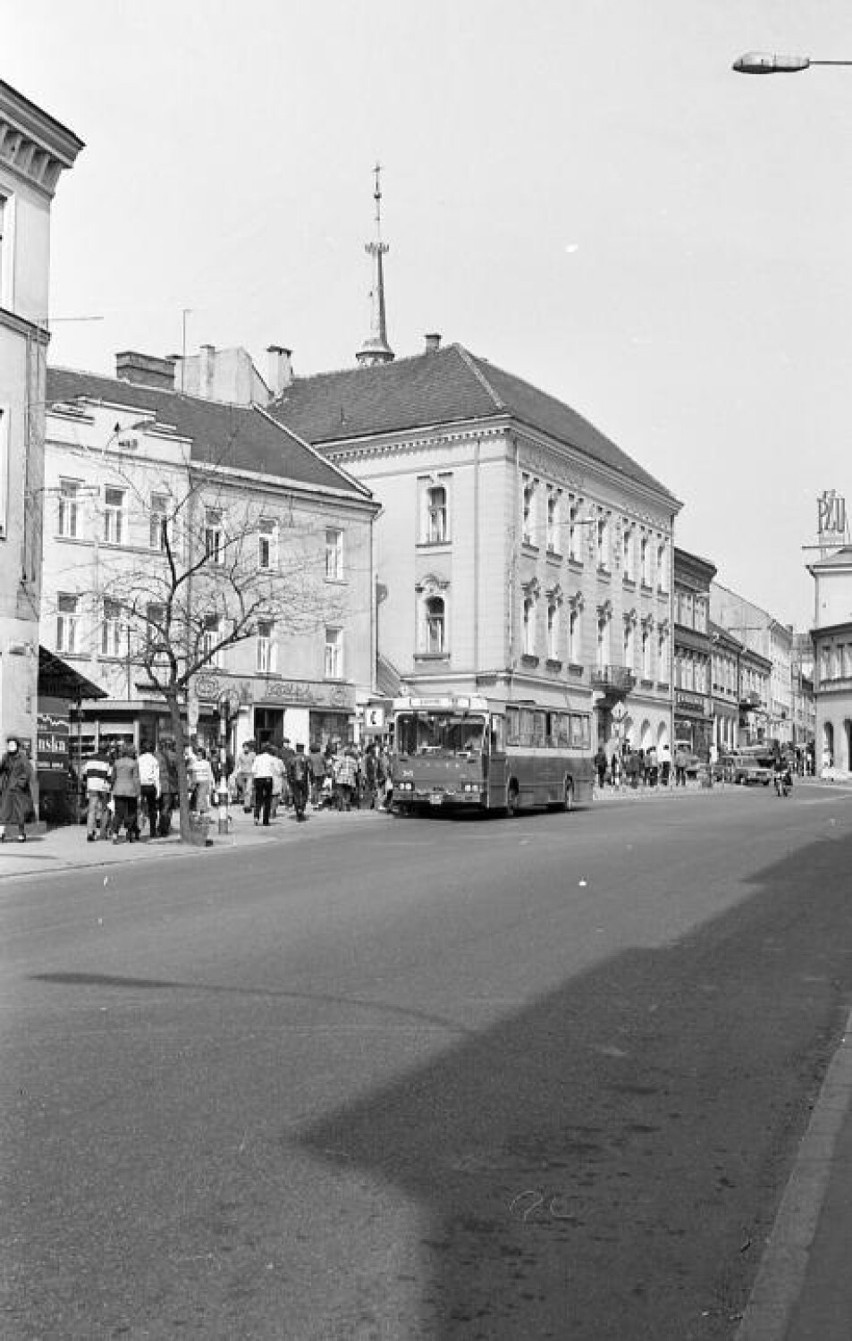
x: 207, y: 687
x: 53, y: 734
x: 307, y: 693
x: 690, y: 702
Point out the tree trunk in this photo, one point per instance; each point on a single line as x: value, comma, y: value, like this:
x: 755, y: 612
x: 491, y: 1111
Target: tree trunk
x: 180, y: 751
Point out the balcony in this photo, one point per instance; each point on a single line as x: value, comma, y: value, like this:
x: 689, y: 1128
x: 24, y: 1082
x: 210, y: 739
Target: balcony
x: 613, y: 682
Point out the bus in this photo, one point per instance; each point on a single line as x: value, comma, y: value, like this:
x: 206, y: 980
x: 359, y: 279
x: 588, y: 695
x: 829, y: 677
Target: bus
x: 457, y: 752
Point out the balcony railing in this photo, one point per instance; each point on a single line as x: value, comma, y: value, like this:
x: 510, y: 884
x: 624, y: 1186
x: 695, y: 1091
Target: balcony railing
x: 613, y: 679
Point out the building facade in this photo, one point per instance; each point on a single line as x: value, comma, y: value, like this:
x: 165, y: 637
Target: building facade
x: 519, y: 552
x: 832, y: 664
x: 34, y: 151
x: 761, y: 633
x: 142, y: 483
x: 693, y: 704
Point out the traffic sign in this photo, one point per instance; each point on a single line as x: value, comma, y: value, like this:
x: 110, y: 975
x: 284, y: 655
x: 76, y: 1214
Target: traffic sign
x: 619, y: 712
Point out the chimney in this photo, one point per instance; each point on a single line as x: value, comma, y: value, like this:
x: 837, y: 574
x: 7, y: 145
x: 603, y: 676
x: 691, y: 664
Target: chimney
x: 280, y: 369
x: 206, y: 365
x: 145, y: 369
x: 433, y: 342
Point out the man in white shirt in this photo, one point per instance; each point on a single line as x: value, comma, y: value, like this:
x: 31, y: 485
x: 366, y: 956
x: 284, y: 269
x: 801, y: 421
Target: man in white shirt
x: 149, y: 781
x: 263, y: 770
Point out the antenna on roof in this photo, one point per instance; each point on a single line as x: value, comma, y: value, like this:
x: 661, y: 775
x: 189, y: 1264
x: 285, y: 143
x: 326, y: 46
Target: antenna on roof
x: 375, y: 348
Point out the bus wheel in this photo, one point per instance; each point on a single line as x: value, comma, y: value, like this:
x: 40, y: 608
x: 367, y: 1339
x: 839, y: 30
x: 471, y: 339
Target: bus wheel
x: 568, y: 795
x: 512, y: 800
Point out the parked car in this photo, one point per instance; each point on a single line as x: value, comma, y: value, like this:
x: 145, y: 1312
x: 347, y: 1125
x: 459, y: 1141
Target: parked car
x: 745, y: 769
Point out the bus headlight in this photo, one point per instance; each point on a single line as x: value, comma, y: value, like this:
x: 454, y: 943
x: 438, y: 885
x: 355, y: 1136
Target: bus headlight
x: 469, y: 787
x: 404, y: 786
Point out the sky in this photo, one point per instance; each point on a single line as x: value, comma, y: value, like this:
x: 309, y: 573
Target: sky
x: 581, y: 191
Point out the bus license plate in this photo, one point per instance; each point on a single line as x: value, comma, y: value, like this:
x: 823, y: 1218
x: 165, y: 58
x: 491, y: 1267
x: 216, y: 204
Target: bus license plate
x: 436, y: 799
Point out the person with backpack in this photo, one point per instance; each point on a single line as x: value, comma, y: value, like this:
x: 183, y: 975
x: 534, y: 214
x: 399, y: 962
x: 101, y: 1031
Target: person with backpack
x: 297, y: 776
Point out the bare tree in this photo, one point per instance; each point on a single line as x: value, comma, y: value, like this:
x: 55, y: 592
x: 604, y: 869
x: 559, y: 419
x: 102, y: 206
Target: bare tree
x: 223, y: 564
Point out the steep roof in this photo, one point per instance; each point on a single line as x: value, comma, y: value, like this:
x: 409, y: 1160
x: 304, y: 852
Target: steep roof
x: 447, y: 386
x: 242, y: 437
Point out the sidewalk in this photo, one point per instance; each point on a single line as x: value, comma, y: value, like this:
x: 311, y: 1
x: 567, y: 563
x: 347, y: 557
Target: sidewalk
x: 67, y: 849
x: 803, y: 1290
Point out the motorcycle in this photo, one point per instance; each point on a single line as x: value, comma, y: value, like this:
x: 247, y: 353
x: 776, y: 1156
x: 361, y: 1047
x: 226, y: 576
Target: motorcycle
x: 783, y: 782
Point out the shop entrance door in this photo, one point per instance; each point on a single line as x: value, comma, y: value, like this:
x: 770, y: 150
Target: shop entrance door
x: 268, y: 726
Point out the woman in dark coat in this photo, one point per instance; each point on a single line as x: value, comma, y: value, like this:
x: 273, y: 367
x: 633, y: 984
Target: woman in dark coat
x: 15, y: 795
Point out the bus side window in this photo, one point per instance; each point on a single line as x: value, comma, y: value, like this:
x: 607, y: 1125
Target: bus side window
x: 497, y: 735
x: 539, y: 729
x: 512, y: 726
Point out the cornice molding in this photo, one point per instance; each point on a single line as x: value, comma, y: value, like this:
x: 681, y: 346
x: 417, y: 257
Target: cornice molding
x: 32, y: 144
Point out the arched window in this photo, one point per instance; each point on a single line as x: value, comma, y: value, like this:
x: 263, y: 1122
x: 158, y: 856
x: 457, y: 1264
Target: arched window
x: 434, y: 612
x: 574, y: 636
x: 553, y: 628
x: 529, y: 623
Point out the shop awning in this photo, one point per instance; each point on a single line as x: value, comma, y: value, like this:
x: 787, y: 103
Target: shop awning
x: 56, y: 679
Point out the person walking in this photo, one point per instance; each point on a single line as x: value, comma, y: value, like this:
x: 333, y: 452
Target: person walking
x: 169, y: 785
x: 316, y: 762
x: 16, y: 797
x: 681, y: 759
x: 149, y: 785
x: 633, y: 767
x: 243, y: 774
x: 202, y: 778
x: 297, y: 776
x: 279, y: 780
x: 126, y: 790
x: 97, y: 773
x: 665, y: 757
x: 262, y: 771
x: 345, y: 778
x: 601, y: 766
x: 370, y: 776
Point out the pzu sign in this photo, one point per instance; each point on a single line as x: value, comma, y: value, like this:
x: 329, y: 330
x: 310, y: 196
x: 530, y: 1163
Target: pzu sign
x: 832, y: 515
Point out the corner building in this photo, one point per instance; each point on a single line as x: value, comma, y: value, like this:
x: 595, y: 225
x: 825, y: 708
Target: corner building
x: 519, y: 552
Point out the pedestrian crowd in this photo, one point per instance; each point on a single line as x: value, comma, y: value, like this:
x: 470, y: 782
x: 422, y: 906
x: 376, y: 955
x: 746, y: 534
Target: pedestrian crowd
x: 269, y: 778
x: 652, y: 767
x: 132, y: 794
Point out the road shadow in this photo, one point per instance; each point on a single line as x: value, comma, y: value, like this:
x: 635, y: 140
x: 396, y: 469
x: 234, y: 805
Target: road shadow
x: 607, y: 1162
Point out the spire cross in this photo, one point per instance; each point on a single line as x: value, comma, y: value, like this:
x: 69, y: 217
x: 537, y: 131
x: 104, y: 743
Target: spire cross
x: 376, y: 348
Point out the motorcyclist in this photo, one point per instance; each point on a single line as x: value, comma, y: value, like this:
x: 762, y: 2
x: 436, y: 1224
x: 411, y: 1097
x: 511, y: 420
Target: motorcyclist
x: 782, y: 776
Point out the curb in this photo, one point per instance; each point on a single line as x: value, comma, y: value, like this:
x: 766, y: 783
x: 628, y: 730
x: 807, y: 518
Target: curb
x: 784, y: 1264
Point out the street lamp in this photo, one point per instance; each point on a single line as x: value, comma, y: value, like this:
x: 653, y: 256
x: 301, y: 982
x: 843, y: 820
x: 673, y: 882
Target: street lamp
x: 763, y: 62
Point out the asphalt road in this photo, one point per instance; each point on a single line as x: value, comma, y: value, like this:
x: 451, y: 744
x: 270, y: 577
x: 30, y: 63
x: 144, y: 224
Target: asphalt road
x: 505, y: 1079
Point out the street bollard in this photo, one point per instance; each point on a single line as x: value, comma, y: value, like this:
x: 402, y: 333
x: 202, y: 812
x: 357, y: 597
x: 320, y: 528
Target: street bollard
x: 224, y: 813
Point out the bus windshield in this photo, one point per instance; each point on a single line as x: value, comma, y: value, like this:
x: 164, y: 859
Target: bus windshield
x: 439, y: 733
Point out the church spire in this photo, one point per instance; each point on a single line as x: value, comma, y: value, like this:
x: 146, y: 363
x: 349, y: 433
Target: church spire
x: 375, y: 348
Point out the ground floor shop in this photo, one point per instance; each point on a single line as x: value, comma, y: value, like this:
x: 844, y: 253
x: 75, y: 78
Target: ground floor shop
x: 693, y: 723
